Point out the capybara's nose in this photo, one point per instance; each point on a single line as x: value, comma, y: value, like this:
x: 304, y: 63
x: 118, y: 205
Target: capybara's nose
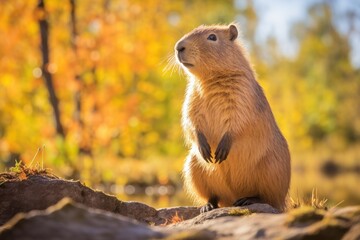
x: 180, y: 46
x: 180, y: 49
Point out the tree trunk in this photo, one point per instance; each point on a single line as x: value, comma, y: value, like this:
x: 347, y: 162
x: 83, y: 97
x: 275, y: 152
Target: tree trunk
x: 84, y: 145
x: 44, y: 33
x: 84, y: 131
x: 77, y: 97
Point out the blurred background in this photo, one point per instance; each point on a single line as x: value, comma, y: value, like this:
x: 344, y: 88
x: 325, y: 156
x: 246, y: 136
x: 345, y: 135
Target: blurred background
x: 83, y: 89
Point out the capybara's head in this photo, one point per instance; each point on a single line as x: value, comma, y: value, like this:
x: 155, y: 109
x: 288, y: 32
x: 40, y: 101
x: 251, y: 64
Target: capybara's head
x: 210, y: 50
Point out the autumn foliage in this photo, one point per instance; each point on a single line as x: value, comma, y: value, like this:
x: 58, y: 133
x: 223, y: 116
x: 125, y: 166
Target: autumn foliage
x: 119, y: 109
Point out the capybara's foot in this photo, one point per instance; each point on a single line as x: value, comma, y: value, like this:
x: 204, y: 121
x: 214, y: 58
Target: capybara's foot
x: 247, y: 201
x: 212, y: 204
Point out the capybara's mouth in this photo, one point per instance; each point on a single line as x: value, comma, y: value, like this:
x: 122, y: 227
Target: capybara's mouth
x: 183, y: 62
x: 187, y: 64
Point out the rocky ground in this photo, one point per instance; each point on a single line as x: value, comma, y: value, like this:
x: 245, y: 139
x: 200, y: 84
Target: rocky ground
x: 40, y: 206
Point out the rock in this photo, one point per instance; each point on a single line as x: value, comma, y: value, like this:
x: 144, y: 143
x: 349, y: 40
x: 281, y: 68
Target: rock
x: 353, y: 233
x: 309, y: 223
x: 297, y: 224
x: 68, y: 220
x: 228, y: 211
x: 39, y: 192
x: 94, y: 215
x: 71, y: 220
x: 182, y: 213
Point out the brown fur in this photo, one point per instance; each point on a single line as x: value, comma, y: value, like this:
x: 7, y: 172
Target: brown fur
x: 223, y: 96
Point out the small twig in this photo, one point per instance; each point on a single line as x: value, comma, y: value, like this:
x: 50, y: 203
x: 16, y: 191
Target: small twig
x: 42, y: 157
x: 37, y: 152
x: 337, y: 204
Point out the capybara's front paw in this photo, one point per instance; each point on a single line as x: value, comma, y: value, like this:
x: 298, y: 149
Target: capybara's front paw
x: 223, y: 149
x: 204, y: 147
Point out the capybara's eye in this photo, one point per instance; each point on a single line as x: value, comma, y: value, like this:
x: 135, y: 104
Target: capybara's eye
x: 212, y: 37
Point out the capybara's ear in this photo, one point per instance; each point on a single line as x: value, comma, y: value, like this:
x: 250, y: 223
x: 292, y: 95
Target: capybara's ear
x: 233, y: 32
